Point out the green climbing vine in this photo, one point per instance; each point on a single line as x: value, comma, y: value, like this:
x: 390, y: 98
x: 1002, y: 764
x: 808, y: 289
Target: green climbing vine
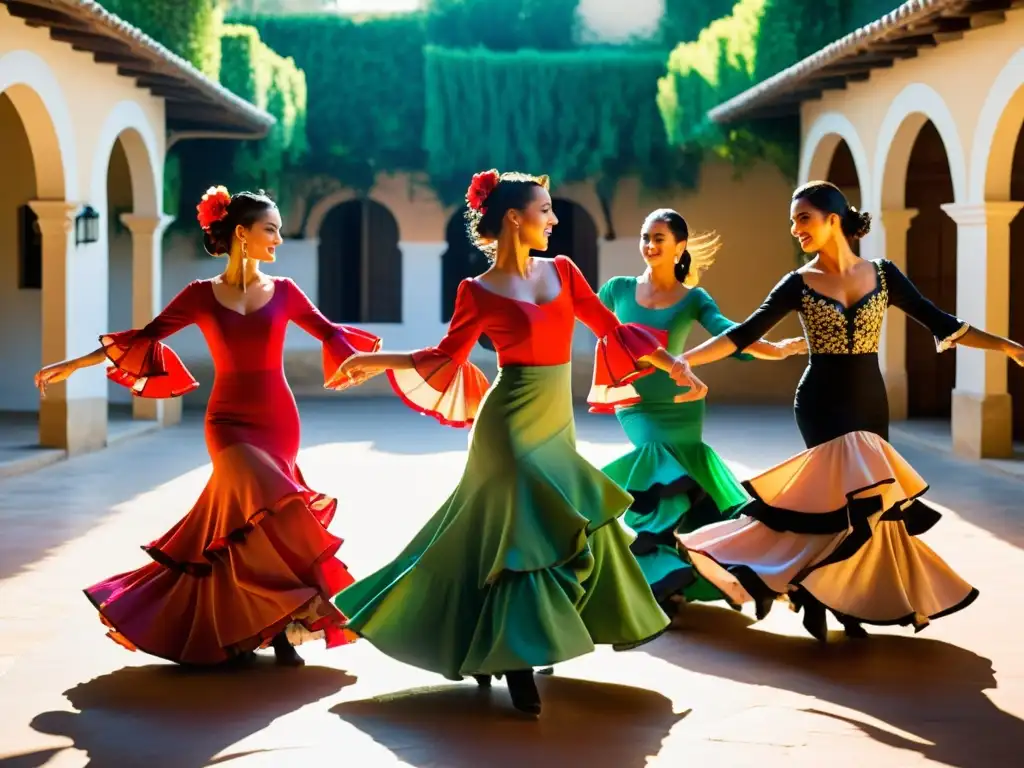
x: 273, y: 83
x: 574, y: 115
x: 189, y: 28
x: 508, y: 25
x: 365, y: 81
x: 757, y: 40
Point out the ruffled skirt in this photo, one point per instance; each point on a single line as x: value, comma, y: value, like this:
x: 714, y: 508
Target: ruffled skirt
x: 525, y: 565
x: 252, y: 558
x: 678, y: 484
x: 839, y: 521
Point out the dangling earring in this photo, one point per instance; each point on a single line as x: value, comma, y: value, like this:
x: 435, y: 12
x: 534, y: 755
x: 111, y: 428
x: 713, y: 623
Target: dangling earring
x: 245, y: 264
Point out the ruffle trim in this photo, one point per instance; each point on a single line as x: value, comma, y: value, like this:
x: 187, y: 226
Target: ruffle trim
x: 333, y: 631
x: 917, y: 516
x: 146, y: 367
x: 439, y: 387
x: 339, y: 347
x: 617, y: 365
x: 325, y: 574
x: 941, y: 345
x: 320, y: 507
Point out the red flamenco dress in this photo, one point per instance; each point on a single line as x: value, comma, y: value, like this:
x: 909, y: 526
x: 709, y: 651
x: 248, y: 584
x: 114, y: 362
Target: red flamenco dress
x: 253, y: 556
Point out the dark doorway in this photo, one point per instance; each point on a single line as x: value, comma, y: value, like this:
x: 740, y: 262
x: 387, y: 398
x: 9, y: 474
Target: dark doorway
x: 461, y: 260
x: 1015, y: 377
x: 575, y: 237
x: 360, y: 264
x: 931, y: 266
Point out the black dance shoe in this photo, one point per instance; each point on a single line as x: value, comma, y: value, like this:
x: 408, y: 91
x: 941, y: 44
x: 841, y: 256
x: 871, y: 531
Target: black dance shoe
x: 523, y: 690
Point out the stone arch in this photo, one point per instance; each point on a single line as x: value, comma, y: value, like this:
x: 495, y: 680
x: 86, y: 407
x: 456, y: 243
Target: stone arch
x: 819, y: 148
x: 359, y: 262
x: 127, y: 122
x: 28, y: 81
x: 921, y: 165
x: 915, y: 105
x: 46, y: 171
x: 323, y: 206
x: 995, y: 136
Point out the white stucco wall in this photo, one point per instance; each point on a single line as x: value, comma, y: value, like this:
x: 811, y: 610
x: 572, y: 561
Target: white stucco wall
x: 73, y: 110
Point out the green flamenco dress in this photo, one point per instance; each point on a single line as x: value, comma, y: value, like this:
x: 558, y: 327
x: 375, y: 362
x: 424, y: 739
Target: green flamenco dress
x: 525, y: 565
x: 678, y: 483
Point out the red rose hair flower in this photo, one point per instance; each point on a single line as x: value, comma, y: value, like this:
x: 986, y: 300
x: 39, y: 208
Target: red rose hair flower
x: 482, y: 185
x: 213, y: 207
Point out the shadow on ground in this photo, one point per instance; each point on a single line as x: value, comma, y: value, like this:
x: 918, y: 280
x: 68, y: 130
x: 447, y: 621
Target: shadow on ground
x: 164, y: 715
x: 461, y: 726
x: 928, y: 688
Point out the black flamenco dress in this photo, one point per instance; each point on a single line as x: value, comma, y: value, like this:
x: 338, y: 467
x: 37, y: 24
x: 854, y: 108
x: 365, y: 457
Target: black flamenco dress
x: 836, y: 525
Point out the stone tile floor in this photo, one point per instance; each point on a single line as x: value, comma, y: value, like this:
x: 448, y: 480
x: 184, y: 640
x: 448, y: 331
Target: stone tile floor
x: 718, y: 691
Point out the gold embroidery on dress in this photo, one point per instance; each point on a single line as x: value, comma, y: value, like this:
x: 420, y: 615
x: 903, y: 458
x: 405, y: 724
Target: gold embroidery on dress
x: 828, y: 327
x: 825, y: 325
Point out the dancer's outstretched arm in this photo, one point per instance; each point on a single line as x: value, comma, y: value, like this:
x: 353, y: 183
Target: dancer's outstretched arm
x: 783, y: 299
x: 714, y: 322
x: 949, y: 330
x: 137, y: 351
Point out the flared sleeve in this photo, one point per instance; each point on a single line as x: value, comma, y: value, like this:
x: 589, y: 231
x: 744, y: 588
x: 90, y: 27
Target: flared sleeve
x: 784, y: 298
x: 903, y: 294
x: 139, y: 359
x: 620, y: 346
x: 442, y: 383
x: 714, y: 322
x: 338, y: 342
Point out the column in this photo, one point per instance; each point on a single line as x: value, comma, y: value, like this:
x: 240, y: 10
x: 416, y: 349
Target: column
x: 890, y: 243
x: 982, y: 411
x: 73, y: 415
x: 147, y: 271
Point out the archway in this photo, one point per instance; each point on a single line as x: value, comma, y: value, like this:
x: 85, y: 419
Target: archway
x: 575, y: 236
x: 21, y: 269
x: 1015, y: 378
x: 820, y: 149
x: 360, y: 264
x: 119, y: 199
x: 931, y: 266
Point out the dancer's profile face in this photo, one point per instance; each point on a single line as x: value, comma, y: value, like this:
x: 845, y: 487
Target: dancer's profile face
x: 536, y: 220
x: 659, y: 247
x: 263, y: 237
x: 812, y: 228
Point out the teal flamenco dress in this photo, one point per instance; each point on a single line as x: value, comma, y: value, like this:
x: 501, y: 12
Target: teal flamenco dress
x: 525, y: 565
x: 678, y: 483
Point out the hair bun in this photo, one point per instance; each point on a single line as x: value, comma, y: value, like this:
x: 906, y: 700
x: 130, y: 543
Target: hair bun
x: 856, y: 224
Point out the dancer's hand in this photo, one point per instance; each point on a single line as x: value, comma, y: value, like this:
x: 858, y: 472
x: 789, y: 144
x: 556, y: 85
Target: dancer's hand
x: 1016, y: 354
x: 794, y: 346
x: 357, y: 369
x: 683, y: 376
x: 53, y: 374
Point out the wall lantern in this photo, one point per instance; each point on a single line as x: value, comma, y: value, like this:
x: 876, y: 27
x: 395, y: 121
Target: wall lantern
x: 87, y: 226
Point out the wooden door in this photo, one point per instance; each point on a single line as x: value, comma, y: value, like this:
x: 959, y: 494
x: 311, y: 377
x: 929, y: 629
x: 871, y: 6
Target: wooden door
x: 1015, y: 374
x: 931, y: 266
x: 382, y: 259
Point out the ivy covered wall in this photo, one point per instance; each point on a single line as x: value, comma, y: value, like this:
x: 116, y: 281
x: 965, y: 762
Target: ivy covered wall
x: 189, y: 28
x: 466, y: 84
x: 758, y: 39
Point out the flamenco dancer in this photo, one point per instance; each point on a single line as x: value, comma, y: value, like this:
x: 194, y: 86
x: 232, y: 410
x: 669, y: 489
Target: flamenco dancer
x: 835, y: 526
x: 678, y: 483
x: 525, y: 564
x: 253, y: 558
